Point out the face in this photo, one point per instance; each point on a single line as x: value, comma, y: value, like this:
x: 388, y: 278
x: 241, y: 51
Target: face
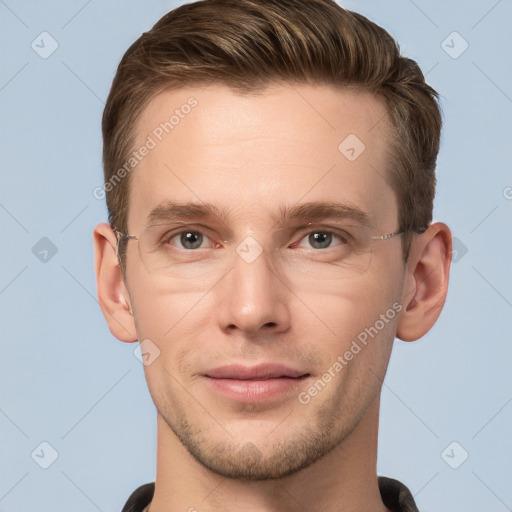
x: 270, y: 309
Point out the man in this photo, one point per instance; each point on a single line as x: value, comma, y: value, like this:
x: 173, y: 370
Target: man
x: 269, y: 169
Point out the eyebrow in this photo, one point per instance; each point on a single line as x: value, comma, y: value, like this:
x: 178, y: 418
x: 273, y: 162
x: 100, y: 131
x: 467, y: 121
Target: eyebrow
x: 318, y: 210
x: 171, y: 211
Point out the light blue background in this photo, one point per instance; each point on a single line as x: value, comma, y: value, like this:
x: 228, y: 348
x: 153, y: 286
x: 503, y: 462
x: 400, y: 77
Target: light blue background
x: 65, y: 380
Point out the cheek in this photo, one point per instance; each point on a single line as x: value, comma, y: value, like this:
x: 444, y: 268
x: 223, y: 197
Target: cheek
x: 360, y: 318
x: 167, y: 320
x: 355, y: 357
x: 162, y: 313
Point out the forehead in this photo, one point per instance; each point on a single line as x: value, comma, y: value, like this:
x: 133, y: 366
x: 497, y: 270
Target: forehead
x: 257, y: 153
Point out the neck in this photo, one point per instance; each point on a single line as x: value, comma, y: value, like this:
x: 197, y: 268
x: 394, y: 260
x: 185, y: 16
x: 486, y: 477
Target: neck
x: 344, y: 480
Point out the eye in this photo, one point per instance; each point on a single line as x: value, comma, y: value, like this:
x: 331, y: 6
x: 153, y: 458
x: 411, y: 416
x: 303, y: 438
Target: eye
x: 322, y: 239
x: 187, y: 240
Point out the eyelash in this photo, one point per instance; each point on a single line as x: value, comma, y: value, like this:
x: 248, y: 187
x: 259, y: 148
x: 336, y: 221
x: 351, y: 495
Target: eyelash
x: 342, y: 236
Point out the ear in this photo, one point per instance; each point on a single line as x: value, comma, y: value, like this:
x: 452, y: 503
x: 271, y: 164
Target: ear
x: 426, y: 282
x: 113, y: 295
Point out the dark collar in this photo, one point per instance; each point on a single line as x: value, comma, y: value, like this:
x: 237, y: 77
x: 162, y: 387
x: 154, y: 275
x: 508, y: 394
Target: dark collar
x: 395, y: 495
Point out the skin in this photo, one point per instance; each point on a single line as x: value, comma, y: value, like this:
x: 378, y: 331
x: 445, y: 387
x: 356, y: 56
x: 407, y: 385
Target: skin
x: 252, y: 155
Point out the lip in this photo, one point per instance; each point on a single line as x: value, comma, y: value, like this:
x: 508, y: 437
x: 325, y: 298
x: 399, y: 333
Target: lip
x: 259, y: 383
x: 259, y: 372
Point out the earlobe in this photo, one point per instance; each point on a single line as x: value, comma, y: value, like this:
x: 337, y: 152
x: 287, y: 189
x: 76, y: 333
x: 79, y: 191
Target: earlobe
x: 426, y: 282
x: 112, y: 292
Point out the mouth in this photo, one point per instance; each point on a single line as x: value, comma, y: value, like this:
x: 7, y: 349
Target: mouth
x: 255, y: 384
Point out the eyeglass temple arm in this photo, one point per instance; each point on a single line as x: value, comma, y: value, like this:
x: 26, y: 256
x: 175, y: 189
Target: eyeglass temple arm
x: 396, y: 233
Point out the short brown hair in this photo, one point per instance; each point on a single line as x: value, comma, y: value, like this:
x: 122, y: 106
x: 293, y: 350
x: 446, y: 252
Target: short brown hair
x: 250, y: 44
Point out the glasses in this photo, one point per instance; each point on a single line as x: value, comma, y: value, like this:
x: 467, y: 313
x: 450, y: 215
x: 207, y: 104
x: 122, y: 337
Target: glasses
x: 307, y: 254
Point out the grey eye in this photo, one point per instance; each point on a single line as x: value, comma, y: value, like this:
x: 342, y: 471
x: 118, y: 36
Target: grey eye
x: 191, y: 239
x: 320, y: 239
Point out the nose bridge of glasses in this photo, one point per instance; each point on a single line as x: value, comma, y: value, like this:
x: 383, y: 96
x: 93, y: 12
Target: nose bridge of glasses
x: 255, y: 255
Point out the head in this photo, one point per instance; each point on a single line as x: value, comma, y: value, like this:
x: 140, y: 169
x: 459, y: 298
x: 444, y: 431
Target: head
x: 264, y: 95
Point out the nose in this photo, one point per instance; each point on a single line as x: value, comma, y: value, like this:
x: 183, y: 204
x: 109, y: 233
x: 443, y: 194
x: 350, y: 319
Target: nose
x: 252, y: 298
